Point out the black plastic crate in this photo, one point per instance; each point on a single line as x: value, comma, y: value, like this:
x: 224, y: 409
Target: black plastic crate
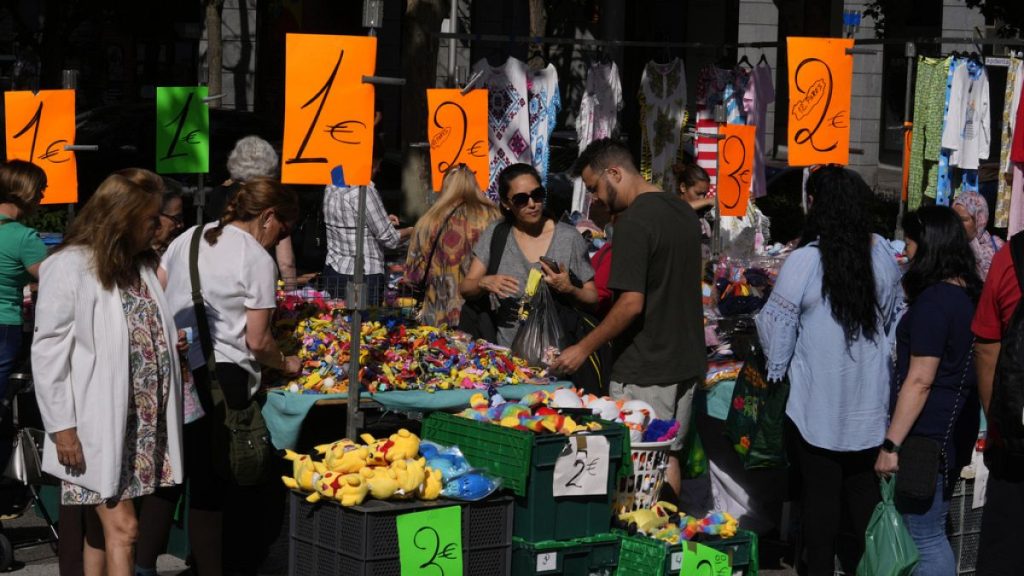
x: 965, y: 526
x: 327, y: 538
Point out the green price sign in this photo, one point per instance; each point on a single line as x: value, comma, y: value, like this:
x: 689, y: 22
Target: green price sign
x: 700, y: 560
x: 430, y: 542
x: 182, y: 130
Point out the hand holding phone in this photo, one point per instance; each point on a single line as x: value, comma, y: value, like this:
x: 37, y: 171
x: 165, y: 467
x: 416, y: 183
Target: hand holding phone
x: 551, y: 264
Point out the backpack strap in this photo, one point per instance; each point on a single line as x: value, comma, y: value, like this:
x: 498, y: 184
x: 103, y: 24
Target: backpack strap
x: 498, y: 241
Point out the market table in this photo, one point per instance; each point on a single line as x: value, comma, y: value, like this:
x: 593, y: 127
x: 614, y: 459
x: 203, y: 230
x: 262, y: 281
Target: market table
x: 284, y: 411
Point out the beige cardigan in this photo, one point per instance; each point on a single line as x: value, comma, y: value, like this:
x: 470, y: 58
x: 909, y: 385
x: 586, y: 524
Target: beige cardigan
x: 80, y: 369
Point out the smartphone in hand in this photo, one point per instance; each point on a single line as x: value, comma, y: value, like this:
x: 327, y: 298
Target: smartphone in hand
x: 551, y: 263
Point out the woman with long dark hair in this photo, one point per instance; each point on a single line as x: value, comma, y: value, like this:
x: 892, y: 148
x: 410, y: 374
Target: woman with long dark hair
x: 825, y: 326
x: 935, y: 381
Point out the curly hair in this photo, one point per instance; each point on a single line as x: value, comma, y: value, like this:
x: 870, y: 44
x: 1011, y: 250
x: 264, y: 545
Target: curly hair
x: 252, y: 157
x: 840, y: 223
x: 943, y: 252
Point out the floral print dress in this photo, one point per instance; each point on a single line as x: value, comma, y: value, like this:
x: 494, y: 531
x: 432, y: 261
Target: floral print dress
x: 145, y: 463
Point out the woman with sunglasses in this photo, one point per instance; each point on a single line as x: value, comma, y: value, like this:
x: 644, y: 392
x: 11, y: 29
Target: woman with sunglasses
x: 533, y: 234
x: 441, y: 247
x: 171, y: 220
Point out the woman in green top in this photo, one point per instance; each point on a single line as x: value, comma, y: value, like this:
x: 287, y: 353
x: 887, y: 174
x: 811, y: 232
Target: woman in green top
x: 21, y: 252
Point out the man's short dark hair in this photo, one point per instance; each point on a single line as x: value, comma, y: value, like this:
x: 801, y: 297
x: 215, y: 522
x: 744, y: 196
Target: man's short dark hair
x: 604, y: 153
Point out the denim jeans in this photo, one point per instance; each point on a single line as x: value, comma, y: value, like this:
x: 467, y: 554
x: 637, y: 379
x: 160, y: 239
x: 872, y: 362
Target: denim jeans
x: 10, y: 346
x: 926, y: 523
x: 335, y: 282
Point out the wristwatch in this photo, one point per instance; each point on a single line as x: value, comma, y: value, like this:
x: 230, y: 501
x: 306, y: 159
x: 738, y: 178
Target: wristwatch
x: 890, y: 446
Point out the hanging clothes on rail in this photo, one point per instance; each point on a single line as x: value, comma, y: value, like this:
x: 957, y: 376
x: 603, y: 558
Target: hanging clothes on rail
x: 1014, y: 81
x: 508, y: 116
x: 711, y: 85
x: 663, y: 118
x: 926, y: 140
x: 759, y: 94
x: 1016, y: 223
x: 545, y: 102
x: 598, y: 117
x: 967, y: 131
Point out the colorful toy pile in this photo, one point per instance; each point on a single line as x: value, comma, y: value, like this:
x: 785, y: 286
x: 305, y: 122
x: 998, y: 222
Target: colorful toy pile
x: 396, y: 354
x: 637, y: 415
x: 397, y: 467
x: 663, y: 522
x: 531, y: 413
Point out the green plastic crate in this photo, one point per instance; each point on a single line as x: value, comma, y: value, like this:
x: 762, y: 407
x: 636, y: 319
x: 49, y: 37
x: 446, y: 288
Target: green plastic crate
x: 577, y: 557
x: 642, y: 556
x: 526, y: 463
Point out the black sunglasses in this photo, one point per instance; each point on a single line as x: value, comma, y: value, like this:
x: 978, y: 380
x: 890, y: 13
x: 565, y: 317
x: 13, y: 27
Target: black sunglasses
x: 176, y: 218
x: 522, y: 199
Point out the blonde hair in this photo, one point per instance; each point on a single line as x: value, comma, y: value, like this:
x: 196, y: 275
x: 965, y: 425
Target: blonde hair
x: 458, y: 190
x: 20, y: 183
x: 150, y: 181
x: 106, y: 226
x: 252, y: 199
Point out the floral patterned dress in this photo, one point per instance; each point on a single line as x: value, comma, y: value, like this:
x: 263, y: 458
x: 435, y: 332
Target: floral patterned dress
x: 146, y: 464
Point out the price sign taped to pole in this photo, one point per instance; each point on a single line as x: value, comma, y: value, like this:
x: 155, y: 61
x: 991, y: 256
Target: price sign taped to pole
x: 329, y: 110
x: 820, y: 76
x: 430, y: 542
x: 182, y: 130
x: 582, y: 468
x: 38, y: 127
x: 457, y: 130
x: 700, y: 560
x: 735, y: 169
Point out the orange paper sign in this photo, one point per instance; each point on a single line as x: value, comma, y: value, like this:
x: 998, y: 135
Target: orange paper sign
x: 328, y: 118
x: 820, y: 76
x: 38, y: 127
x: 735, y: 168
x: 457, y: 130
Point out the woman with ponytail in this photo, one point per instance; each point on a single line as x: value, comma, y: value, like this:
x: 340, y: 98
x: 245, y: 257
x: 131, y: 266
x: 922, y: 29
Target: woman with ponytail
x: 826, y: 326
x: 238, y: 278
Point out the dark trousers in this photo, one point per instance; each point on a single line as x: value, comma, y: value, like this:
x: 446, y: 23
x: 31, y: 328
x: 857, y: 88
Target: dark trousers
x: 335, y: 282
x: 834, y: 484
x: 1001, y: 549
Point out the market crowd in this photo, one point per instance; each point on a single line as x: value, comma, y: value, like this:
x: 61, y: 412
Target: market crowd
x: 887, y: 368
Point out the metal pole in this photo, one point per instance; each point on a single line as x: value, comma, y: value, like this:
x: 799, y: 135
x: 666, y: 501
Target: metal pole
x: 69, y: 81
x: 199, y: 199
x: 910, y: 52
x: 453, y: 16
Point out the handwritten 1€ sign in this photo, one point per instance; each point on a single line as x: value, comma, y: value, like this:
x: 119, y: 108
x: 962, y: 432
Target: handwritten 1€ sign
x: 182, y: 130
x: 430, y: 542
x: 820, y: 76
x: 735, y: 169
x: 328, y: 119
x: 457, y: 129
x: 38, y: 127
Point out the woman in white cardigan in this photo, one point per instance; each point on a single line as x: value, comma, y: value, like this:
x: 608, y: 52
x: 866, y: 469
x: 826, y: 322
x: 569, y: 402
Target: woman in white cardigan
x: 106, y: 373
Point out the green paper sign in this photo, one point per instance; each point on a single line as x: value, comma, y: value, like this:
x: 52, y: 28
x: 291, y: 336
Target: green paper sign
x: 430, y: 542
x: 700, y: 560
x: 182, y: 130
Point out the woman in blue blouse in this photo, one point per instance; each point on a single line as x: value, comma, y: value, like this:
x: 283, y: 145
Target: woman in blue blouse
x: 935, y: 379
x: 826, y: 327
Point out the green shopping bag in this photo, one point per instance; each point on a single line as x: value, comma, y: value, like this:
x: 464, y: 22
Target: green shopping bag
x: 696, y: 459
x: 757, y: 416
x: 888, y: 548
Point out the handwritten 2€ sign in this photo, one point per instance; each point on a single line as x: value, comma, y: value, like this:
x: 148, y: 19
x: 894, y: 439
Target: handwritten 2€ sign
x: 735, y: 168
x: 820, y: 76
x: 328, y: 119
x: 430, y: 542
x: 38, y: 127
x: 457, y: 129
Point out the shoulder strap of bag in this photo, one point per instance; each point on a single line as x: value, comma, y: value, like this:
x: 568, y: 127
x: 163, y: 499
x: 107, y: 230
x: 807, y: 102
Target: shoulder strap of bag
x: 498, y: 241
x: 433, y: 247
x: 201, y: 319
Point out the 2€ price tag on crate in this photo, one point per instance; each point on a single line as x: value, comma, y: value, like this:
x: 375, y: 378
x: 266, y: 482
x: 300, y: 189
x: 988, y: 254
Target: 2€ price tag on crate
x: 582, y: 468
x: 699, y: 560
x: 430, y: 542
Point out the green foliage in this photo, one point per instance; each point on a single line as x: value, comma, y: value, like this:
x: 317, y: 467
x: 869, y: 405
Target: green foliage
x: 48, y: 219
x: 1007, y: 14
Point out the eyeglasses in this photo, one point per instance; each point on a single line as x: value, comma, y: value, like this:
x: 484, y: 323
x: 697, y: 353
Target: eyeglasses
x: 176, y: 218
x: 522, y: 199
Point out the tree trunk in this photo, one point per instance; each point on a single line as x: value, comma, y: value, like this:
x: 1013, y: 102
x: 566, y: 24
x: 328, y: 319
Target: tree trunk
x: 538, y: 28
x: 422, y: 20
x: 214, y: 49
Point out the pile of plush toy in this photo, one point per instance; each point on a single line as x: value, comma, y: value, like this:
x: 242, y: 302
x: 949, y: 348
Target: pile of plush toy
x: 664, y: 522
x: 532, y: 412
x: 637, y: 415
x: 395, y: 468
x: 397, y: 354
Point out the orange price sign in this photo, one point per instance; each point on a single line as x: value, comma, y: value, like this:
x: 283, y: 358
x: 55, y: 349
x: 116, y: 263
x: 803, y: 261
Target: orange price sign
x: 457, y: 130
x: 38, y: 127
x: 735, y: 168
x: 820, y: 76
x: 328, y: 118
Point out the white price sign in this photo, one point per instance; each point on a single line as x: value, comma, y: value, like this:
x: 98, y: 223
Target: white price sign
x: 582, y: 468
x: 676, y: 560
x: 547, y: 562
